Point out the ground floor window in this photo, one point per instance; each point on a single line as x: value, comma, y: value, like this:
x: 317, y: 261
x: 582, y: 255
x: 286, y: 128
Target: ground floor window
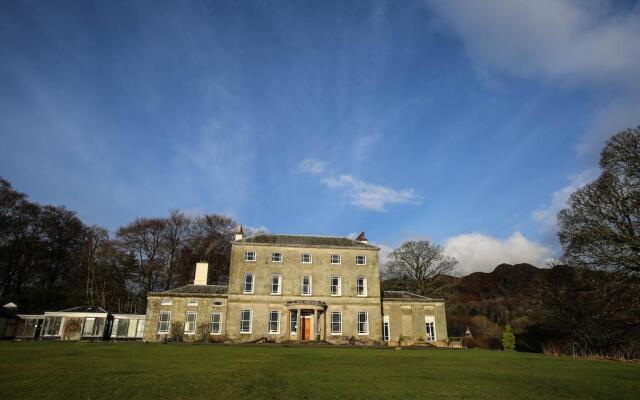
x: 163, y: 322
x: 140, y: 328
x: 122, y: 330
x: 51, y: 326
x: 385, y: 328
x: 245, y: 321
x: 29, y: 328
x: 93, y: 327
x: 216, y: 323
x: 336, y: 323
x: 274, y: 321
x: 294, y: 321
x: 430, y: 328
x: 190, y: 323
x: 363, y: 323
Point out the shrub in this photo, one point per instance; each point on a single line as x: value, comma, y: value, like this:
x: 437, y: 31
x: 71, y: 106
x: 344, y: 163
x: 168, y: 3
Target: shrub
x: 508, y: 339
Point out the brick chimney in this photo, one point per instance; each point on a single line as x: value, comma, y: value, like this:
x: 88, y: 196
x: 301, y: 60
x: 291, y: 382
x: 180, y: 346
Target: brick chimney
x: 202, y: 270
x: 362, y: 238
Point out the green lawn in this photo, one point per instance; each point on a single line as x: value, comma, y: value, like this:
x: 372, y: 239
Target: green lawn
x: 155, y: 371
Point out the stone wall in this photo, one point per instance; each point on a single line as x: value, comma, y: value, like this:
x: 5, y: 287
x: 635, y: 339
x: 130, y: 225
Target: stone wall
x: 407, y: 320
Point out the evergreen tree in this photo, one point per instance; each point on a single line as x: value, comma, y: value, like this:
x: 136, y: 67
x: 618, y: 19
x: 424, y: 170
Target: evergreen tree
x: 508, y: 339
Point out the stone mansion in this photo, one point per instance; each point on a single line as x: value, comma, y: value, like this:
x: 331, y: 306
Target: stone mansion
x: 296, y: 288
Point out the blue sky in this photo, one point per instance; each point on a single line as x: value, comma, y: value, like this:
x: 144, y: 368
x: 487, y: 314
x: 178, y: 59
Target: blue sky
x: 467, y: 123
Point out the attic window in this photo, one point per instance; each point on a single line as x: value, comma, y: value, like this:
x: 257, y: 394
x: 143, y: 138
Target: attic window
x: 250, y: 256
x: 192, y: 303
x: 217, y: 304
x: 361, y: 260
x: 166, y: 302
x: 306, y: 258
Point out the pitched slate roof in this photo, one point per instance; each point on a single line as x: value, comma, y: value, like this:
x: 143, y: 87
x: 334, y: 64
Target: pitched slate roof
x: 302, y: 240
x: 195, y: 289
x: 404, y: 295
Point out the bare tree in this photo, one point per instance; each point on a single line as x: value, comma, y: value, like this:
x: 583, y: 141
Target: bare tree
x: 600, y: 228
x: 143, y: 238
x: 174, y: 241
x: 420, y: 264
x: 95, y: 238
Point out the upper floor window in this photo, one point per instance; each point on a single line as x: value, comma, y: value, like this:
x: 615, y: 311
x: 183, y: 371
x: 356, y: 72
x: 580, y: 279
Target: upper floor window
x: 363, y: 323
x: 276, y: 257
x: 336, y: 259
x: 336, y: 286
x: 245, y: 321
x: 217, y: 304
x: 192, y: 303
x: 361, y: 286
x: 248, y: 283
x: 361, y: 260
x: 249, y: 255
x: 165, y: 302
x: 306, y: 286
x: 276, y: 284
x: 306, y: 258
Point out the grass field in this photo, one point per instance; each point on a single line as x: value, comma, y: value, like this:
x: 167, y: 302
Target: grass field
x: 155, y: 371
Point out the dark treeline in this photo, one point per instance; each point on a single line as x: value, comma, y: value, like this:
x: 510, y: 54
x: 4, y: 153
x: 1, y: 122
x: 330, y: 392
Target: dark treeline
x: 51, y: 260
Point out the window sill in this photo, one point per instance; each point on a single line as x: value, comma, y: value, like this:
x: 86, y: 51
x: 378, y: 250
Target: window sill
x: 215, y: 334
x: 336, y: 334
x: 273, y: 333
x: 363, y: 334
x: 275, y: 294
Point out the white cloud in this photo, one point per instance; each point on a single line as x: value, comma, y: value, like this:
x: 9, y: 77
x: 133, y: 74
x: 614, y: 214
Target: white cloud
x: 478, y: 252
x: 589, y: 43
x: 313, y: 167
x: 545, y: 216
x: 370, y: 196
x: 549, y: 39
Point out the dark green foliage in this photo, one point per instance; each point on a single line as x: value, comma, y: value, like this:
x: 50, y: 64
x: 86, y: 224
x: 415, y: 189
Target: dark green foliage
x: 51, y: 260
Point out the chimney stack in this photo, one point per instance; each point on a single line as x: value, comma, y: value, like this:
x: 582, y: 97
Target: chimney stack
x: 239, y: 233
x: 202, y: 270
x: 362, y: 238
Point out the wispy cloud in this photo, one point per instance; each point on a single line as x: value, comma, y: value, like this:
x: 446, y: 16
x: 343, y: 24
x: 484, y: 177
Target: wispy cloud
x: 360, y: 193
x: 588, y: 44
x: 370, y: 196
x: 313, y: 167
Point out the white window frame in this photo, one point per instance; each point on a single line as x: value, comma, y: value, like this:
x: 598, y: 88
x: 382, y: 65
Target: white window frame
x: 335, y: 333
x: 47, y: 321
x: 293, y: 323
x: 252, y: 258
x: 275, y: 259
x: 188, y: 331
x: 310, y: 258
x: 366, y: 323
x: 140, y: 328
x: 192, y: 303
x: 364, y: 260
x: 218, y: 303
x: 364, y: 286
x: 279, y: 283
x: 250, y: 320
x: 211, y: 325
x: 166, y: 302
x: 338, y: 286
x: 302, y: 284
x: 385, y: 321
x: 339, y: 259
x: 430, y: 325
x: 168, y: 322
x: 244, y: 283
x: 270, y: 321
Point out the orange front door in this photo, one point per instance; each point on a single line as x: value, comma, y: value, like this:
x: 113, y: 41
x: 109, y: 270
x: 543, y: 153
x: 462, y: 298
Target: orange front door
x: 306, y: 328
